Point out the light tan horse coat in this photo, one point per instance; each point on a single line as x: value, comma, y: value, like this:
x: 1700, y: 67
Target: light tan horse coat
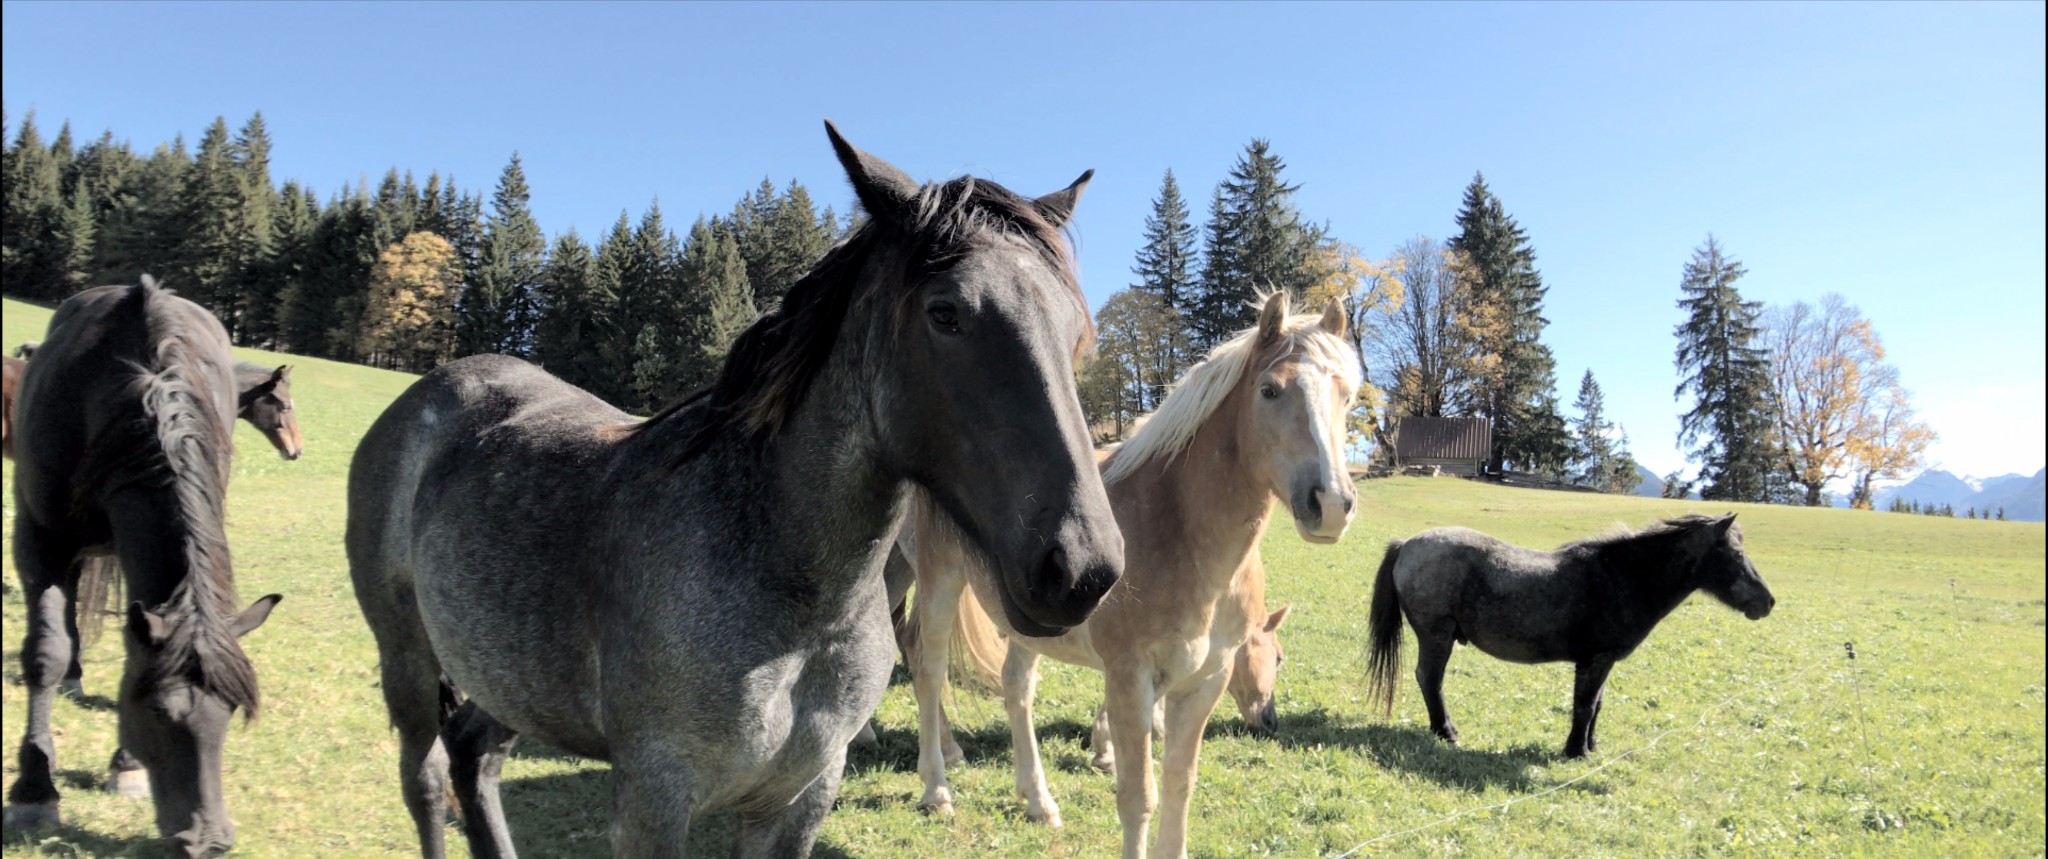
x: 1192, y: 491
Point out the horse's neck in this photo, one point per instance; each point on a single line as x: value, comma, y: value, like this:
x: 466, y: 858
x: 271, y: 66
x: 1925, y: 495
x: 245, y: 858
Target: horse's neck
x: 1207, y: 502
x: 813, y: 498
x: 1655, y: 570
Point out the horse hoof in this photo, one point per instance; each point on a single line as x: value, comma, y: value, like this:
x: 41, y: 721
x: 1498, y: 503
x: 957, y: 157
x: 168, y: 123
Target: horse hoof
x: 71, y: 688
x: 1104, y: 763
x: 133, y: 784
x: 1048, y: 816
x: 940, y: 808
x: 22, y: 818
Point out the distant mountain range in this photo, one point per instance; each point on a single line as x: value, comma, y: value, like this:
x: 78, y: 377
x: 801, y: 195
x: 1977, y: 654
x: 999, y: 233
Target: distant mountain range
x: 2023, y: 498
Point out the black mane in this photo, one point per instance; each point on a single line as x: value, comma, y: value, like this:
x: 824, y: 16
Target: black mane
x: 770, y: 365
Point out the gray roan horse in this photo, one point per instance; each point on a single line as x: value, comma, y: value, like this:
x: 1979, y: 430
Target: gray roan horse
x: 1591, y: 603
x: 698, y: 598
x: 123, y: 445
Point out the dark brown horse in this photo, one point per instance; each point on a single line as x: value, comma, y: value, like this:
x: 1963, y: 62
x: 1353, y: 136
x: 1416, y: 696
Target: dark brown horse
x: 14, y: 368
x: 124, y: 448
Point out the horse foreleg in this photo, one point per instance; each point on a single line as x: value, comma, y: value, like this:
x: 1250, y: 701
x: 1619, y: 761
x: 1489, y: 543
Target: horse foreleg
x: 477, y: 746
x: 32, y: 801
x: 1105, y: 746
x: 1433, y: 653
x: 938, y: 602
x: 1131, y: 697
x: 792, y: 830
x: 1020, y: 686
x: 1187, y: 716
x: 652, y: 789
x: 1587, y: 686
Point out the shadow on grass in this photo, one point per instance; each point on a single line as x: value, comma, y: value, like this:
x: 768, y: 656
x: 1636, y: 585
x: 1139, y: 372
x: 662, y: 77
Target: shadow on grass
x: 569, y: 815
x: 85, y: 842
x: 895, y: 749
x: 1415, y: 750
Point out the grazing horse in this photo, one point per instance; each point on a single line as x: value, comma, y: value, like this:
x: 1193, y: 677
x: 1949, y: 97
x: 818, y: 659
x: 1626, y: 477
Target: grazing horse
x: 1261, y: 417
x: 1590, y: 603
x: 124, y: 446
x: 697, y: 598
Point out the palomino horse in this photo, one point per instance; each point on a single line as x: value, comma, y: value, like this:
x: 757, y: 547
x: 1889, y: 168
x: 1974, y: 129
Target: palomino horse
x: 1262, y: 417
x: 1590, y: 603
x: 697, y: 598
x: 124, y: 446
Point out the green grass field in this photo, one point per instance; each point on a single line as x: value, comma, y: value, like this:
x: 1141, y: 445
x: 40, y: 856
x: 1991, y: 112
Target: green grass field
x: 1767, y: 739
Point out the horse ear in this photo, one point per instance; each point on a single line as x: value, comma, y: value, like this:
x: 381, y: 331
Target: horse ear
x: 1335, y: 320
x: 282, y: 374
x: 1277, y: 618
x: 1724, y: 523
x: 255, y: 615
x: 146, y: 625
x: 1272, y: 316
x: 884, y: 191
x: 1058, y: 207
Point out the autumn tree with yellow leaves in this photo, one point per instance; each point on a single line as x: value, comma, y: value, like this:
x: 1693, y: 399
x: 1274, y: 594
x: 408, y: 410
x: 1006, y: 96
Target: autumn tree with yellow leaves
x: 1841, y: 409
x: 410, y: 321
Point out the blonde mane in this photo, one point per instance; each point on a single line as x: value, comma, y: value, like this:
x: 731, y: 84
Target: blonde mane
x: 1167, y: 431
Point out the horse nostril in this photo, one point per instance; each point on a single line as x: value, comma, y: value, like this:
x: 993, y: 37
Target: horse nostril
x: 1348, y: 503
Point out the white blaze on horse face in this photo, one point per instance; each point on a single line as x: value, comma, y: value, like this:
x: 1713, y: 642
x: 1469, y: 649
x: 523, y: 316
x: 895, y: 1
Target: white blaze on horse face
x: 1324, y: 396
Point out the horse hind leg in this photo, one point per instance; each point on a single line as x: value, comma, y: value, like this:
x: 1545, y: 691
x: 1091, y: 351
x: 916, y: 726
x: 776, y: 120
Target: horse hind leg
x: 33, y: 800
x: 793, y: 829
x: 416, y: 697
x: 1433, y: 653
x: 477, y: 746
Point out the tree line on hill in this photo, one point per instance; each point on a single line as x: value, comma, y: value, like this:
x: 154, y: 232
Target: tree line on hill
x: 405, y: 275
x: 409, y: 275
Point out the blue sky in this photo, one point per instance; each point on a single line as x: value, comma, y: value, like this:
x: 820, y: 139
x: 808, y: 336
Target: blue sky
x: 1889, y: 152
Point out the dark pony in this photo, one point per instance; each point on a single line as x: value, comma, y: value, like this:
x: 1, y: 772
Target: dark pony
x: 125, y: 449
x: 1591, y: 603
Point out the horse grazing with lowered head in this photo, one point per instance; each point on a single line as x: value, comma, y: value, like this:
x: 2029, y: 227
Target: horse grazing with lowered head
x: 1261, y: 418
x: 697, y: 598
x: 1590, y: 603
x: 263, y: 399
x: 124, y: 447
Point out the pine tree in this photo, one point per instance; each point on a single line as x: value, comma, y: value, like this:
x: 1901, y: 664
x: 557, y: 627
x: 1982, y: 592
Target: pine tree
x: 254, y: 235
x: 1520, y: 399
x: 1166, y: 261
x: 567, y: 340
x: 801, y: 239
x: 1597, y: 459
x: 294, y: 218
x: 1728, y: 378
x: 500, y: 306
x: 1257, y: 243
x: 210, y: 209
x: 656, y: 310
x: 33, y: 199
x: 143, y: 232
x: 71, y: 242
x: 612, y: 378
x: 715, y: 276
x: 1212, y: 316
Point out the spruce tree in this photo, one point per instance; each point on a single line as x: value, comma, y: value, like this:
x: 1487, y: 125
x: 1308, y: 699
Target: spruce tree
x: 71, y: 242
x: 33, y: 199
x: 566, y: 341
x: 656, y: 311
x: 146, y: 228
x: 612, y: 378
x: 1257, y: 243
x: 801, y: 239
x: 254, y: 234
x: 1598, y: 460
x: 1166, y: 261
x: 1724, y: 370
x: 721, y: 306
x: 499, y: 307
x: 210, y: 209
x: 1520, y: 399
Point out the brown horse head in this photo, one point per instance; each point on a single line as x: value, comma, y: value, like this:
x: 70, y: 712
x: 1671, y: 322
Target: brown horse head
x: 265, y: 402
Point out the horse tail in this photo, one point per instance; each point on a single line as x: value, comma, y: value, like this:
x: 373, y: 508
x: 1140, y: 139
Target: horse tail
x: 978, y: 649
x: 1384, y: 622
x: 99, y: 592
x: 903, y: 619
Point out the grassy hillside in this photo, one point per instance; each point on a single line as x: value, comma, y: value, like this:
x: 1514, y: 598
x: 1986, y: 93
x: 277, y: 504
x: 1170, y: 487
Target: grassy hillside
x: 1767, y: 739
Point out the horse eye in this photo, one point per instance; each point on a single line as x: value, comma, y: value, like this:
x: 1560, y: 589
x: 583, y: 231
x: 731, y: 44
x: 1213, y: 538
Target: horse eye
x: 1269, y: 391
x: 944, y: 316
